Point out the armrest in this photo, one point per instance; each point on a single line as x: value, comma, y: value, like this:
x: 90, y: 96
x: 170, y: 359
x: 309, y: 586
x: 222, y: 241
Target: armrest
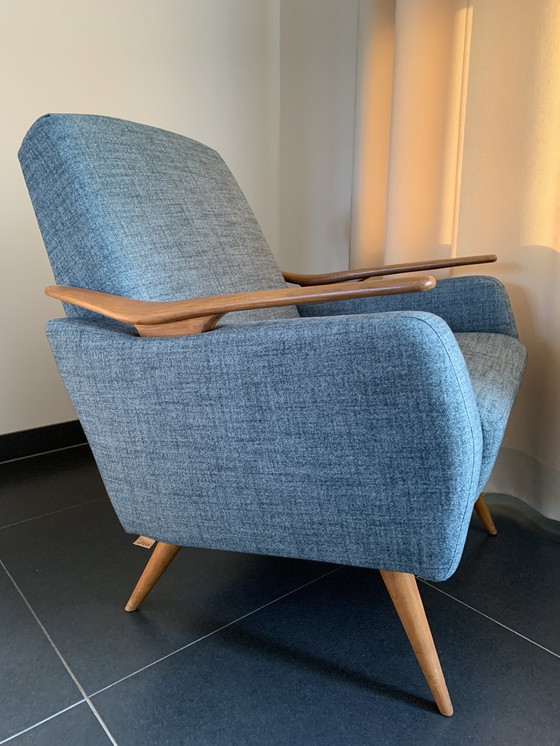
x: 467, y: 304
x: 193, y: 316
x: 388, y: 269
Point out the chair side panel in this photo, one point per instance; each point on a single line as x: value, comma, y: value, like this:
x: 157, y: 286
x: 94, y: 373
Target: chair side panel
x: 353, y: 440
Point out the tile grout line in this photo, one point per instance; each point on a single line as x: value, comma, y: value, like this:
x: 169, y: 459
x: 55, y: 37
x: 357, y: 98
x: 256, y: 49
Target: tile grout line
x: 52, y: 512
x: 45, y: 720
x: 86, y: 697
x: 215, y: 631
x: 491, y: 619
x: 60, y: 656
x: 43, y: 453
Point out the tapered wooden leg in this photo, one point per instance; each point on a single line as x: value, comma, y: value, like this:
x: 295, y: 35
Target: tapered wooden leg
x: 161, y: 558
x: 483, y: 513
x: 406, y: 598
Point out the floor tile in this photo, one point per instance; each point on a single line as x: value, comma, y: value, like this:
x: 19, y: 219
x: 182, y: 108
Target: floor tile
x: 42, y: 484
x: 33, y: 682
x: 331, y: 665
x: 78, y: 568
x: 513, y: 577
x: 76, y: 727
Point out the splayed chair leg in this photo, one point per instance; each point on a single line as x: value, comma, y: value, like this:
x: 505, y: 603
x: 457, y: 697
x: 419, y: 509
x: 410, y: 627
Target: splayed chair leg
x: 483, y: 513
x: 404, y: 592
x: 162, y: 556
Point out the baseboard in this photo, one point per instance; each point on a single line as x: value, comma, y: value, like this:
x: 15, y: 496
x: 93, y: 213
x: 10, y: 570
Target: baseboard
x: 40, y: 440
x: 521, y: 475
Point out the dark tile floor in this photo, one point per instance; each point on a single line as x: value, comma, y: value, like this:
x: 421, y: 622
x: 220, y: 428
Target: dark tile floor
x: 240, y: 649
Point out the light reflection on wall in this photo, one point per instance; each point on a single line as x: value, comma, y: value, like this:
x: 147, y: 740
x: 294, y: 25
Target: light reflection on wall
x: 461, y: 154
x: 412, y: 83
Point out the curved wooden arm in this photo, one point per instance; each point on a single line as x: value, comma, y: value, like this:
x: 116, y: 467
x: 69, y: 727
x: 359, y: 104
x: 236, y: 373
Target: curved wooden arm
x: 184, y: 317
x: 389, y: 269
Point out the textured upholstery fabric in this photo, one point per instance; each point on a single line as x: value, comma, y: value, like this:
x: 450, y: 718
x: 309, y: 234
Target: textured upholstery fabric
x: 360, y: 434
x: 478, y: 310
x: 495, y: 363
x: 142, y: 212
x: 467, y: 304
x: 352, y: 439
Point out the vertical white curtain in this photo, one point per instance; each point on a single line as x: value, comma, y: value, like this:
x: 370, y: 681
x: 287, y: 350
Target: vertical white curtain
x: 458, y: 152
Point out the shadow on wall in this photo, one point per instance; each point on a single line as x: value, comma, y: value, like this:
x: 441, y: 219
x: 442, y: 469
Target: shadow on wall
x: 532, y: 276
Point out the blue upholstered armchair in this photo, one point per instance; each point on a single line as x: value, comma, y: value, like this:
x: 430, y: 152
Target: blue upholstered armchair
x: 353, y: 419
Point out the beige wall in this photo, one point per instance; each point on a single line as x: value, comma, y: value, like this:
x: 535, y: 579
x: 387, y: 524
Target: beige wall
x: 268, y: 83
x: 458, y: 153
x: 318, y: 47
x: 205, y: 68
x: 510, y: 205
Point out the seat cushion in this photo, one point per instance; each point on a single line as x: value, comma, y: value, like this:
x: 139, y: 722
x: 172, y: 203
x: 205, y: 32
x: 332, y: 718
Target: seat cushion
x: 495, y: 363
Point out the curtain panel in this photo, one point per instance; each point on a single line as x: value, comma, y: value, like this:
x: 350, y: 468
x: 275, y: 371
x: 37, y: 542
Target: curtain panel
x: 457, y: 152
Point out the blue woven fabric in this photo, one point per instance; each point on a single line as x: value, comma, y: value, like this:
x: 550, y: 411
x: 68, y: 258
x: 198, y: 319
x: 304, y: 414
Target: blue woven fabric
x: 144, y: 213
x: 352, y: 439
x: 467, y: 304
x: 360, y: 434
x: 495, y: 363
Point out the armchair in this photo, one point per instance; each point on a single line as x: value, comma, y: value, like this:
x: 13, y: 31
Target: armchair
x: 352, y: 419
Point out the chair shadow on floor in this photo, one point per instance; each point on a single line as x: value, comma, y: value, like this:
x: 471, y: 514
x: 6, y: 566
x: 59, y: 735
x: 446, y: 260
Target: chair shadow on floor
x: 264, y: 647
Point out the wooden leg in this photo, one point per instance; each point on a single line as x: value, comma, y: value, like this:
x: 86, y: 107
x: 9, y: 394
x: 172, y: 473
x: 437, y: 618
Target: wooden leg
x: 161, y: 558
x: 484, y: 514
x: 406, y: 598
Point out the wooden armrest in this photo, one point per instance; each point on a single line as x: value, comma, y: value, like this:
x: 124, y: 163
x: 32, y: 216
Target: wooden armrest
x: 389, y: 269
x: 184, y: 317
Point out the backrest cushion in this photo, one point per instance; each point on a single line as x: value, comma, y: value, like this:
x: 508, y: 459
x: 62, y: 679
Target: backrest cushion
x: 142, y: 212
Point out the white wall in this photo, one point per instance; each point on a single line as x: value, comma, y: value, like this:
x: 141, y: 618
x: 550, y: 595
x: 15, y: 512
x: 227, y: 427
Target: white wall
x: 206, y: 68
x: 318, y: 50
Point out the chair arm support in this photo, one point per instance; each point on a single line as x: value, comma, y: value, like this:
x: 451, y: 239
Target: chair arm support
x: 468, y: 304
x: 388, y: 269
x: 196, y: 315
